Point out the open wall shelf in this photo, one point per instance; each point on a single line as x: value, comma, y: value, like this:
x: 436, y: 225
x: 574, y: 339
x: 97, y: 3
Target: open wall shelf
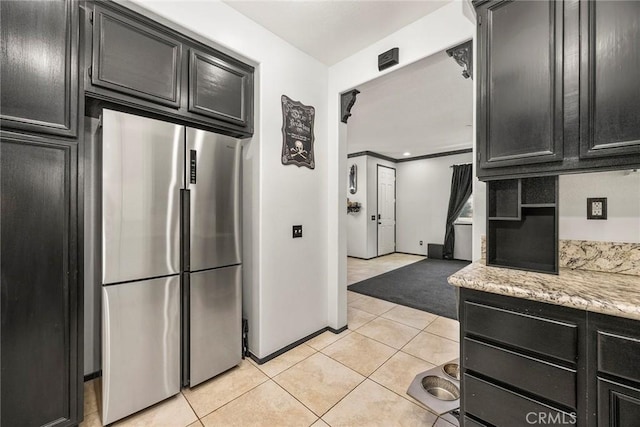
x: 522, y: 225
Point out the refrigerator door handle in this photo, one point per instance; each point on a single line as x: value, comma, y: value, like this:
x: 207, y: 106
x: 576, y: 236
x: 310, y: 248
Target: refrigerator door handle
x: 185, y: 228
x: 193, y: 161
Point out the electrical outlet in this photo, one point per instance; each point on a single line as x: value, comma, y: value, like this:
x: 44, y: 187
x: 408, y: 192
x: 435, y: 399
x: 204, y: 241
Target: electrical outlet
x: 597, y: 208
x: 420, y: 242
x: 297, y: 231
x: 373, y: 217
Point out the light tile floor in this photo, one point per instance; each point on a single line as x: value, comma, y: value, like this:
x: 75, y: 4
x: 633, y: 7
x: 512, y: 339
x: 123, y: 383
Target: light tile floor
x: 361, y: 269
x: 356, y: 378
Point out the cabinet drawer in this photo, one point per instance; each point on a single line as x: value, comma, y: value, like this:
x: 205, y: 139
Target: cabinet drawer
x: 544, y: 336
x: 618, y: 355
x: 544, y: 379
x: 218, y: 88
x: 482, y: 399
x: 135, y: 59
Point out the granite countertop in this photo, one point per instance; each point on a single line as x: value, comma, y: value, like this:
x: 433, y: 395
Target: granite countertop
x: 606, y: 293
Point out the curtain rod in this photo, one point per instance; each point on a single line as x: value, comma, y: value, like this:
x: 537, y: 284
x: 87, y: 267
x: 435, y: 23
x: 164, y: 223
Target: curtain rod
x: 460, y: 164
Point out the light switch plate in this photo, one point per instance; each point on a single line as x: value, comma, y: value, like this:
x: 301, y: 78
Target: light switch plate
x: 597, y: 208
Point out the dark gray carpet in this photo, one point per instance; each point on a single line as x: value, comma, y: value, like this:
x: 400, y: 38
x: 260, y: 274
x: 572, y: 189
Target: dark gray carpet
x: 422, y: 285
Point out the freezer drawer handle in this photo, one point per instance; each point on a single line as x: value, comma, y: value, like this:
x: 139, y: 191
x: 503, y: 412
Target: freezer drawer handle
x: 193, y: 161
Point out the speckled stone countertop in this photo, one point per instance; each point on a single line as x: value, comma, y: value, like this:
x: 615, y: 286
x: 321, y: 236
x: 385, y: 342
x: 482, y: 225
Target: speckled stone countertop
x: 606, y: 293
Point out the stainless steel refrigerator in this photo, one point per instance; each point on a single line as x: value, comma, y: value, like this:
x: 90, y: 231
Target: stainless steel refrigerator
x: 171, y: 260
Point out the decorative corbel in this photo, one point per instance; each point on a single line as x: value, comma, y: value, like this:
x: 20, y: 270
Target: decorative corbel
x: 347, y: 100
x: 463, y: 55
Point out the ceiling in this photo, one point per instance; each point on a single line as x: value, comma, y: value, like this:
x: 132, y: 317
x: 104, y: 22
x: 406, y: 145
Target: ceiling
x: 423, y: 108
x: 332, y: 30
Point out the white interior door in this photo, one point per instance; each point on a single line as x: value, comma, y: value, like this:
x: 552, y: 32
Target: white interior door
x: 386, y: 210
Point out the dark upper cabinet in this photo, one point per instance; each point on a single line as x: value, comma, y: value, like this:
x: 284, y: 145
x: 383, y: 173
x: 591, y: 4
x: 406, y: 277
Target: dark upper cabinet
x: 520, y: 102
x: 131, y: 57
x: 141, y: 64
x: 39, y: 70
x: 557, y: 87
x: 219, y: 88
x: 41, y: 364
x: 609, y: 92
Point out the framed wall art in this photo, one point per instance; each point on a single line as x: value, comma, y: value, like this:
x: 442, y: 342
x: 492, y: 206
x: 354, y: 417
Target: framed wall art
x: 297, y: 133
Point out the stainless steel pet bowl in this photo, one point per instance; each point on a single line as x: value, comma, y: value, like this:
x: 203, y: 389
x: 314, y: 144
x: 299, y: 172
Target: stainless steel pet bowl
x: 441, y: 388
x: 452, y: 370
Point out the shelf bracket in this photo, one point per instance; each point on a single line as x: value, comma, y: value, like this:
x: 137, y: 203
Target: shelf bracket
x: 347, y: 100
x: 463, y: 55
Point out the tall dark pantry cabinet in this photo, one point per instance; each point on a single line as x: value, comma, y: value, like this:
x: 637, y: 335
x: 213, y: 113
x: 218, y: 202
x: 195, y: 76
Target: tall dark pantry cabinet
x: 40, y: 331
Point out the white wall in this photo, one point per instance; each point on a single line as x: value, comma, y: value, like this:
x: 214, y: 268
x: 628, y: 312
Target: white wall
x: 442, y: 29
x: 285, y: 280
x: 357, y: 222
x: 424, y: 188
x: 362, y: 231
x: 622, y: 190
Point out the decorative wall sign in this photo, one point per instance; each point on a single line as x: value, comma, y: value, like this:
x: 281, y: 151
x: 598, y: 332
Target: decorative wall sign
x: 297, y: 133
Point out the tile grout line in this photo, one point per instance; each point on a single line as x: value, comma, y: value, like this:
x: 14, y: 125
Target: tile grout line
x: 190, y: 406
x: 424, y: 408
x: 235, y: 398
x: 380, y: 342
x: 299, y: 401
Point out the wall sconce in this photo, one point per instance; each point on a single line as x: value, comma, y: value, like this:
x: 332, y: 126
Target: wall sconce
x: 353, y: 179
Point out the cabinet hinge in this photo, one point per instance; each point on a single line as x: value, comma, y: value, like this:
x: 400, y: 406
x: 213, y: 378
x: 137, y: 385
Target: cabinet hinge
x: 90, y: 71
x: 91, y: 17
x: 479, y: 19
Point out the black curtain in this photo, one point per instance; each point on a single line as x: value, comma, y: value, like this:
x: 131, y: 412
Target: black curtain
x: 460, y: 192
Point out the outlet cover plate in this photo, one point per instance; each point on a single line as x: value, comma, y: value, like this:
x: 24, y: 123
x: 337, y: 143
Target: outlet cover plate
x: 597, y: 208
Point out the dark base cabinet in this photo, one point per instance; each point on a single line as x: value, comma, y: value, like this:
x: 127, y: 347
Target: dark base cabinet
x: 530, y: 363
x: 41, y: 364
x: 618, y: 405
x: 614, y: 371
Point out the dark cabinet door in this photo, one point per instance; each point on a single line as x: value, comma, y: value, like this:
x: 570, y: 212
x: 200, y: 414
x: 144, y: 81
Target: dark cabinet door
x: 39, y: 70
x: 520, y: 104
x: 618, y: 405
x: 132, y: 57
x: 610, y: 89
x: 614, y: 371
x: 40, y: 377
x: 219, y: 88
